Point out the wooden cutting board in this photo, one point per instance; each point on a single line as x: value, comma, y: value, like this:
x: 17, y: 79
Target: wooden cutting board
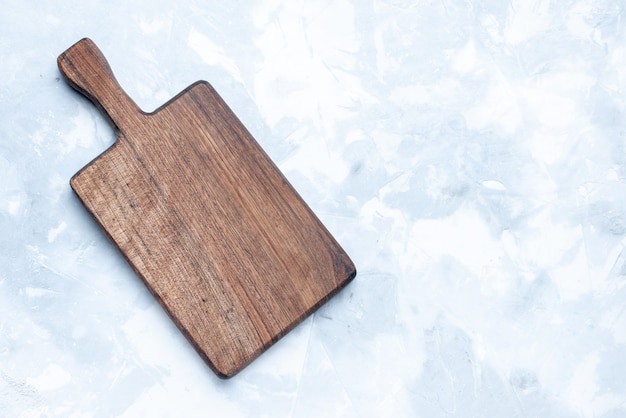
x: 204, y: 217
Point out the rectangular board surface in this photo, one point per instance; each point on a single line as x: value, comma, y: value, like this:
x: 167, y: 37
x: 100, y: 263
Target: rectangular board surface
x: 205, y: 218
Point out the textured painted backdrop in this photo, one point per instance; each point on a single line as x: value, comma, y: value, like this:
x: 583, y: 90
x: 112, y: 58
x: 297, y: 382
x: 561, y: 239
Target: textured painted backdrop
x: 469, y: 156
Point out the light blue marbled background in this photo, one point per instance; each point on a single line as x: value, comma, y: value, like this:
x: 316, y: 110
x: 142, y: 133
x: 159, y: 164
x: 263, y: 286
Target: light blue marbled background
x: 469, y: 155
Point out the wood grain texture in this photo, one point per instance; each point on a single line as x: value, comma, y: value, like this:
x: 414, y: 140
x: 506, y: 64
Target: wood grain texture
x: 204, y: 217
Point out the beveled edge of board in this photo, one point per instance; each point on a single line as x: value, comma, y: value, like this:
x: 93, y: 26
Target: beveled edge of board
x: 342, y: 284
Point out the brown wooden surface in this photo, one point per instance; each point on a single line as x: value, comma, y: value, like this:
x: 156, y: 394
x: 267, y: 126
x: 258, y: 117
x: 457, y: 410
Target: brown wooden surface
x: 205, y: 218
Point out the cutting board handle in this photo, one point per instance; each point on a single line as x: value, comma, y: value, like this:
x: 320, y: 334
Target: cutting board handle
x: 87, y: 70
